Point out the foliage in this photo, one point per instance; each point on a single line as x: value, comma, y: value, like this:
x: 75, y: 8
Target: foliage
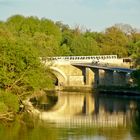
x: 45, y: 44
x: 136, y: 77
x: 3, y: 107
x: 20, y: 67
x: 84, y: 46
x: 8, y: 102
x: 115, y: 42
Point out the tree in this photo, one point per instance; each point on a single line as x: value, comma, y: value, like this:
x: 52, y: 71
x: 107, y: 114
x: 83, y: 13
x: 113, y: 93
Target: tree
x: 115, y: 40
x: 20, y: 67
x: 14, y: 24
x: 84, y: 46
x: 65, y: 50
x: 49, y: 28
x: 62, y: 27
x: 136, y: 53
x: 115, y: 37
x: 136, y: 77
x: 46, y: 45
x: 126, y: 28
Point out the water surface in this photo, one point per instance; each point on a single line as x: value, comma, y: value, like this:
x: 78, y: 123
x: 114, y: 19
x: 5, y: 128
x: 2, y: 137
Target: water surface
x: 80, y: 116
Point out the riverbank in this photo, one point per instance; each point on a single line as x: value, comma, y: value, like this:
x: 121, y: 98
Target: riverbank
x: 112, y: 90
x: 119, y: 90
x: 84, y: 88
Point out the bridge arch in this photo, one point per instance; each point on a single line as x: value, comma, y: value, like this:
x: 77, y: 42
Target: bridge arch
x: 60, y: 75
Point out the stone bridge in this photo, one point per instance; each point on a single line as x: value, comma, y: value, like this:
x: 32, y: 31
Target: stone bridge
x: 90, y: 70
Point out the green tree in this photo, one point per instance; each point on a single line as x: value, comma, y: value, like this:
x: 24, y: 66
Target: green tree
x: 84, y: 46
x: 65, y: 50
x: 115, y: 42
x: 46, y: 45
x: 136, y: 77
x: 50, y: 28
x: 136, y: 53
x: 115, y: 37
x: 14, y: 24
x: 20, y: 67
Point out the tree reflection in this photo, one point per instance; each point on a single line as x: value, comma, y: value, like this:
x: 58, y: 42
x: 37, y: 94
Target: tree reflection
x: 135, y: 130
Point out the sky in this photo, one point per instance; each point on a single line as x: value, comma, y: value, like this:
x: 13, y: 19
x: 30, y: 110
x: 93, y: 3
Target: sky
x: 90, y: 14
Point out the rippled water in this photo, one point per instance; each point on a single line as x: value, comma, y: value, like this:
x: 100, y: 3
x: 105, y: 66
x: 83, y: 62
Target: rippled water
x: 79, y: 116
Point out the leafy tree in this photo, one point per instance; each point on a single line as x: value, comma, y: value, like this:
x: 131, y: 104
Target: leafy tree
x: 84, y: 46
x: 9, y: 101
x: 65, y: 50
x: 126, y: 28
x: 14, y: 24
x: 135, y: 37
x: 99, y: 37
x: 136, y: 53
x: 49, y: 28
x: 67, y: 37
x: 136, y: 77
x: 63, y: 27
x: 114, y: 50
x: 46, y: 45
x: 115, y: 37
x: 30, y: 26
x: 20, y: 67
x: 116, y: 41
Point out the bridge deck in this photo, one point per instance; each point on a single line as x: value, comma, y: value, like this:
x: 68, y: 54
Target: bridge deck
x: 118, y: 69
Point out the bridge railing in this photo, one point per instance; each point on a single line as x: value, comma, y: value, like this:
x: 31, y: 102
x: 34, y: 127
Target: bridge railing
x: 72, y: 58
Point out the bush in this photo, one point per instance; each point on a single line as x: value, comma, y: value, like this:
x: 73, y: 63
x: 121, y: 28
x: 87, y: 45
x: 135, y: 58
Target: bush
x: 8, y: 102
x: 3, y: 107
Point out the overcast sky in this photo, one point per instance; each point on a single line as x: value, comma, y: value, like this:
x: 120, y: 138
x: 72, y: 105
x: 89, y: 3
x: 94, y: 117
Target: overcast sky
x: 91, y: 14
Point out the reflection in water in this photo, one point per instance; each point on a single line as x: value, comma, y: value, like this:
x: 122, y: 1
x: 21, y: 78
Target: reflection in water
x: 89, y: 110
x: 80, y: 117
x: 135, y: 129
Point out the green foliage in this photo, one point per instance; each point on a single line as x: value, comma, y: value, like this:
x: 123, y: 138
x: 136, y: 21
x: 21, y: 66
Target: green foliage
x: 136, y: 77
x: 65, y: 50
x: 20, y: 67
x: 114, y: 36
x: 84, y: 46
x: 3, y: 107
x: 45, y: 44
x: 11, y: 101
x: 49, y: 28
x: 134, y: 49
x: 14, y: 24
x: 67, y: 37
x: 8, y: 102
x: 53, y: 39
x: 114, y: 50
x: 115, y: 42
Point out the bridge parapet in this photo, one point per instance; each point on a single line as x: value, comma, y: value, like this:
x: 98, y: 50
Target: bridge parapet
x: 80, y: 58
x: 108, y: 60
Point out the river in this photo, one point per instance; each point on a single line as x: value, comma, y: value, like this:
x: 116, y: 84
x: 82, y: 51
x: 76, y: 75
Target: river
x: 79, y: 116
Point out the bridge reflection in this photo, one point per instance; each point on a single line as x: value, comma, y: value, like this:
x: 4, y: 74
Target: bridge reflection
x: 80, y: 109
